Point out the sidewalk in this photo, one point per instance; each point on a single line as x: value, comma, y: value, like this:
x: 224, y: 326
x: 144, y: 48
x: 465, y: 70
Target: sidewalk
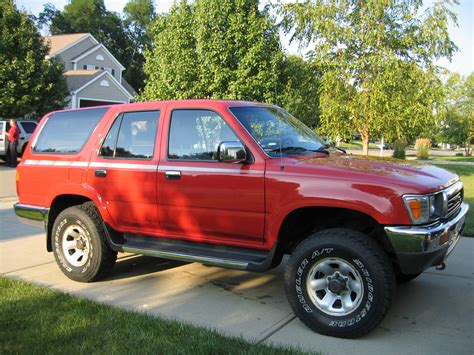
x: 432, y: 314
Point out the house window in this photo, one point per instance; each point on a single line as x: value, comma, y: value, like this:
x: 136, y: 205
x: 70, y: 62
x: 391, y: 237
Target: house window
x: 89, y: 67
x: 110, y: 70
x: 104, y: 83
x: 99, y: 57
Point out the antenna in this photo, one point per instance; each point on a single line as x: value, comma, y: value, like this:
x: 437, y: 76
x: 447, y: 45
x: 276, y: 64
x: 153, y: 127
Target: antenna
x: 281, y: 156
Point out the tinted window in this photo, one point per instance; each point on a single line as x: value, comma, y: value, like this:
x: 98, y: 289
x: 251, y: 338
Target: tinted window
x: 29, y: 127
x: 196, y: 134
x: 132, y: 135
x: 68, y: 131
x: 108, y: 147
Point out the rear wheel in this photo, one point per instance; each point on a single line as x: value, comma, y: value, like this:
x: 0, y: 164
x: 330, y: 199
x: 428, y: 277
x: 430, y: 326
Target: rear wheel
x: 340, y: 283
x: 79, y: 245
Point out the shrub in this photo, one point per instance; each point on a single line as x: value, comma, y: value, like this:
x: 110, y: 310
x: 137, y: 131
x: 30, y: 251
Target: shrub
x: 399, y: 147
x: 423, y: 146
x: 459, y: 154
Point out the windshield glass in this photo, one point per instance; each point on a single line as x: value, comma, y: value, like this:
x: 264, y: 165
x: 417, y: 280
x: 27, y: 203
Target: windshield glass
x: 275, y: 130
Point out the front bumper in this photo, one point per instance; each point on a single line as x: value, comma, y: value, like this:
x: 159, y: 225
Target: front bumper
x: 33, y: 215
x: 420, y: 247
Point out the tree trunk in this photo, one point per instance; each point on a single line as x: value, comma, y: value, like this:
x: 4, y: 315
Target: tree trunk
x: 365, y: 142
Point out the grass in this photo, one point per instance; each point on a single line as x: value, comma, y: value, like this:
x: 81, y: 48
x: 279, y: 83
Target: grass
x: 454, y: 158
x: 466, y: 173
x: 39, y: 320
x: 355, y: 145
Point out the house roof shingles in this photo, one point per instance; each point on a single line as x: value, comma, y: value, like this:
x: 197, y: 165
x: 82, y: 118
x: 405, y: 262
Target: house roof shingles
x: 58, y: 42
x: 78, y: 78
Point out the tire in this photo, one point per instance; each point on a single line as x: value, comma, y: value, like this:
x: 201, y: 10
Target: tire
x: 360, y: 288
x: 403, y: 278
x: 80, y: 248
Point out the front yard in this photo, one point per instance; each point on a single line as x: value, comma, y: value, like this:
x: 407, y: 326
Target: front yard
x: 37, y: 320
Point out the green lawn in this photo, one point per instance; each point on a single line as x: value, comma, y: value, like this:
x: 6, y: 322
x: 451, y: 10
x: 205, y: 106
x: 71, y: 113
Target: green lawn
x: 356, y: 145
x: 453, y: 158
x: 467, y: 176
x: 36, y: 320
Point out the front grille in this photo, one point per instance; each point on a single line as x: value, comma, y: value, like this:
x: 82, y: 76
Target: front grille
x: 454, y: 203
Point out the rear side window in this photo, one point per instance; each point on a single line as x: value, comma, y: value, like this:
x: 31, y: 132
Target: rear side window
x: 28, y: 127
x: 132, y: 136
x: 67, y: 132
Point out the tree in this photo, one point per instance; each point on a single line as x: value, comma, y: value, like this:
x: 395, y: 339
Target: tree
x: 107, y: 27
x: 378, y: 58
x: 139, y: 15
x: 457, y: 116
x: 300, y: 90
x: 214, y: 49
x: 30, y: 85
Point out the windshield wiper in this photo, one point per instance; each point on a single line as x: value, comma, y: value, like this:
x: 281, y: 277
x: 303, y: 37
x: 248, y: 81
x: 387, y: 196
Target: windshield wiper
x: 289, y: 148
x: 323, y: 149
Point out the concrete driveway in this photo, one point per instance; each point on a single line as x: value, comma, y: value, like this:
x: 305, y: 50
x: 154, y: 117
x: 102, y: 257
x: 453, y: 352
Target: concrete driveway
x: 431, y: 315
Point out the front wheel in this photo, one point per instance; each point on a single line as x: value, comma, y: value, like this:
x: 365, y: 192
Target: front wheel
x: 340, y: 283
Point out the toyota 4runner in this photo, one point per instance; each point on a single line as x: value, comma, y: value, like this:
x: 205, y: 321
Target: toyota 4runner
x: 238, y: 185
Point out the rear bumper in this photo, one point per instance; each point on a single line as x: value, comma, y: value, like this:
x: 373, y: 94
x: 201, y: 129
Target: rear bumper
x: 420, y: 247
x: 33, y: 215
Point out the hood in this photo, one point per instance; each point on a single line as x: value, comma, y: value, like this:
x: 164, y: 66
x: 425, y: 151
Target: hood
x: 413, y: 177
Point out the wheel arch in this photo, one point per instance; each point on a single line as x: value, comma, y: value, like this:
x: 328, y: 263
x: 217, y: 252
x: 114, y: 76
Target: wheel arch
x: 302, y: 222
x: 59, y: 204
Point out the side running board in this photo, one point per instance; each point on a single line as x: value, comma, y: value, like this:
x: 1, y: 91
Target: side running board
x: 216, y: 255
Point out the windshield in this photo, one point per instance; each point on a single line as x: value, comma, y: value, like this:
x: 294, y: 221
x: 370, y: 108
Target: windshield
x: 276, y: 131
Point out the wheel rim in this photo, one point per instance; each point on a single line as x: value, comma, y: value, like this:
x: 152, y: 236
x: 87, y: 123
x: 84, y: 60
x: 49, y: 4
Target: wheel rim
x: 335, y: 286
x: 76, y: 245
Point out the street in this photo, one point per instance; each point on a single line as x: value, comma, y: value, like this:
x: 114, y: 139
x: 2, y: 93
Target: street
x: 432, y: 314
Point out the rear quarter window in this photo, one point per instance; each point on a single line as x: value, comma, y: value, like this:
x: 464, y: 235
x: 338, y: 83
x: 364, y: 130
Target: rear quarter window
x: 67, y: 132
x: 28, y: 127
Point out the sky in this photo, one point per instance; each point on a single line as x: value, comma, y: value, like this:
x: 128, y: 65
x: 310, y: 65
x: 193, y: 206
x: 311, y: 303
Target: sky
x: 463, y: 34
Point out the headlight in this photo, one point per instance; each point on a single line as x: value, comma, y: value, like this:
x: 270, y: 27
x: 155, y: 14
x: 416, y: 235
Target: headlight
x: 424, y: 208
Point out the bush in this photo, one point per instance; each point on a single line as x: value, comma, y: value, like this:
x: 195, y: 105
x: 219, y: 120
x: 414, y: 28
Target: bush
x: 399, y: 147
x: 459, y: 154
x: 423, y: 146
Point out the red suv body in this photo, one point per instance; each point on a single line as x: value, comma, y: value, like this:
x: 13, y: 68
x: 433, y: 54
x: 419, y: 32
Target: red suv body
x: 239, y: 184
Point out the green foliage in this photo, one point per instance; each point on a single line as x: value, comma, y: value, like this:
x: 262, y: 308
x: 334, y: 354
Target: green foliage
x: 459, y: 154
x: 457, y: 114
x: 423, y: 146
x: 378, y: 58
x: 300, y: 92
x: 124, y: 40
x: 29, y: 84
x: 399, y: 147
x: 214, y: 49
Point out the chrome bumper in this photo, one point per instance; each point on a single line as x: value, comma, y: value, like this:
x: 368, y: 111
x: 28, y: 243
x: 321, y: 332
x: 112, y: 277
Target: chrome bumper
x: 33, y: 215
x: 419, y: 247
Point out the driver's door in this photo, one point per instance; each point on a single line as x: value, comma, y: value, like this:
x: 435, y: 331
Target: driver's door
x: 200, y: 198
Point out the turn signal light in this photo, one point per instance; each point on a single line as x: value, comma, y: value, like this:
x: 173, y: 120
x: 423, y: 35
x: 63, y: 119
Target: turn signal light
x: 444, y: 238
x: 415, y: 207
x: 17, y: 177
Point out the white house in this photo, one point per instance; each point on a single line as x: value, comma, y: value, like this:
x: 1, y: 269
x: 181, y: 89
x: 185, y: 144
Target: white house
x: 93, y: 74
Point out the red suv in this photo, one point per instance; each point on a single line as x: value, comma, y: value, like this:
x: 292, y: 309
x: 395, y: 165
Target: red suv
x: 238, y: 185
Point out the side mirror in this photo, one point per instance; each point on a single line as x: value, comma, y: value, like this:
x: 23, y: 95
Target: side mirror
x: 231, y: 152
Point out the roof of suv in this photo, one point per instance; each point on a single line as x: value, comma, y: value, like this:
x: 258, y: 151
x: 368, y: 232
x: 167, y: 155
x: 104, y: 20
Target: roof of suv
x: 181, y: 103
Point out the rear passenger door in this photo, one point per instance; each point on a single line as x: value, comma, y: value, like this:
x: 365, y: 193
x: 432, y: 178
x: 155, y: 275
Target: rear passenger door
x: 124, y: 171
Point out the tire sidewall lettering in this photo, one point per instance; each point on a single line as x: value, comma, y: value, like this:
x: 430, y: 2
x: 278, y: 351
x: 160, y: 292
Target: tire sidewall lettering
x: 59, y: 252
x: 345, y: 321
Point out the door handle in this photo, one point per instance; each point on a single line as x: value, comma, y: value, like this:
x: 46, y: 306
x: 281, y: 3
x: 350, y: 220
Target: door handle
x: 100, y: 173
x: 173, y: 174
